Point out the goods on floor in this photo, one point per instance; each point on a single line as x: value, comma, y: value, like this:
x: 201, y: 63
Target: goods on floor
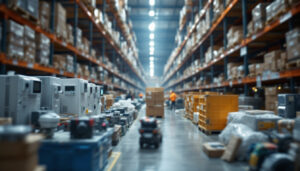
x: 232, y: 149
x: 213, y: 111
x: 116, y: 134
x: 288, y: 104
x: 213, y: 149
x: 155, y: 102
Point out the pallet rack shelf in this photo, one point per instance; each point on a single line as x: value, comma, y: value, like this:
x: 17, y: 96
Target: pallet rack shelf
x: 79, y: 55
x: 223, y: 57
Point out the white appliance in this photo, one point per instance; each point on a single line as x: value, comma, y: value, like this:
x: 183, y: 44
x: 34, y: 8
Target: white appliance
x: 51, y: 93
x: 19, y: 96
x: 74, y: 99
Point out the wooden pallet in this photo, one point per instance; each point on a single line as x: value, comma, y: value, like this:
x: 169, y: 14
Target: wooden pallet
x: 208, y: 132
x: 154, y: 116
x: 24, y: 13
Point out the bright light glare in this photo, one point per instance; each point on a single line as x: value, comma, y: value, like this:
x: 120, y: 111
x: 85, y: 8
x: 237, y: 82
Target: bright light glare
x: 151, y: 36
x: 151, y: 2
x: 151, y: 43
x: 152, y: 26
x: 151, y: 58
x: 151, y: 13
x: 151, y: 53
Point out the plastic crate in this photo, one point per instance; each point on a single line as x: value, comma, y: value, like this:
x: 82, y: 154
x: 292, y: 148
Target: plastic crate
x: 62, y: 153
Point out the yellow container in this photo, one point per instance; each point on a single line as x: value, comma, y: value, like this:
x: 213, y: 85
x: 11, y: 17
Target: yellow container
x: 213, y: 111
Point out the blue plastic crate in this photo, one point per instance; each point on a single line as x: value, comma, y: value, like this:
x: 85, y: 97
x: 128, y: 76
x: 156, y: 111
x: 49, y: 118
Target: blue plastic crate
x: 63, y: 154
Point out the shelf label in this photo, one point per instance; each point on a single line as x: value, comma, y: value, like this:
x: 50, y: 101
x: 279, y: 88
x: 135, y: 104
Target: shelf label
x: 285, y: 17
x: 230, y: 83
x: 15, y: 62
x: 258, y: 82
x: 253, y: 37
x: 30, y: 65
x: 61, y: 72
x: 240, y: 81
x: 243, y: 51
x: 270, y: 75
x: 64, y: 44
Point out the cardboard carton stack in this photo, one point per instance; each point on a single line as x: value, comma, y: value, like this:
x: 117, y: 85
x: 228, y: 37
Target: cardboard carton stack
x: 15, y: 41
x: 60, y: 20
x: 155, y: 102
x: 293, y: 44
x: 70, y: 37
x: 44, y: 14
x: 42, y: 49
x: 21, y: 154
x: 271, y: 97
x: 109, y: 100
x: 271, y: 60
x: 259, y: 16
x: 29, y: 44
x: 234, y: 35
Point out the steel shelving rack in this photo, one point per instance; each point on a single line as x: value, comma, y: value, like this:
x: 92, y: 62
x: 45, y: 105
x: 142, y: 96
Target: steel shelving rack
x: 94, y: 29
x: 237, y: 11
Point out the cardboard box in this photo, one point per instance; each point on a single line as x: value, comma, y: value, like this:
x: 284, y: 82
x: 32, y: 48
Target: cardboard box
x: 293, y: 52
x: 154, y: 89
x: 271, y: 91
x: 156, y: 110
x: 16, y: 164
x: 60, y: 21
x: 44, y: 14
x: 231, y: 149
x: 213, y: 149
x: 5, y: 121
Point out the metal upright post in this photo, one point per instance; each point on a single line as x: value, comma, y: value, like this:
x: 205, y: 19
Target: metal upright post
x: 52, y: 13
x: 75, y: 34
x: 200, y: 4
x: 225, y: 42
x: 3, y: 41
x: 245, y: 31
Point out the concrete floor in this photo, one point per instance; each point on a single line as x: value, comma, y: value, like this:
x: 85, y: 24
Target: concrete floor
x: 181, y: 149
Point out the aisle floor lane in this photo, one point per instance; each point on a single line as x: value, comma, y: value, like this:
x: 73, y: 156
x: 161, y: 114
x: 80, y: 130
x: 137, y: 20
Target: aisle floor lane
x: 180, y: 150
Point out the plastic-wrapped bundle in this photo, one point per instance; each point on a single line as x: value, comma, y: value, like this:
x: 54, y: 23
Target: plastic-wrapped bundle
x: 29, y: 44
x: 258, y: 121
x: 42, y: 49
x: 247, y: 135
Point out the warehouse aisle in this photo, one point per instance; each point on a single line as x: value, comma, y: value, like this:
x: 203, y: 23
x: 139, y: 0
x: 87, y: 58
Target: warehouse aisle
x: 181, y: 149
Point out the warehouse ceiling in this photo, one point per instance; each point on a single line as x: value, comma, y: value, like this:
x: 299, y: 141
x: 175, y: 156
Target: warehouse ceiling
x: 166, y: 23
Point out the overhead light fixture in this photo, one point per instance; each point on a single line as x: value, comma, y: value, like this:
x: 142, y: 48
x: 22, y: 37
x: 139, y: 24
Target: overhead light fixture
x: 151, y: 2
x: 151, y: 43
x: 151, y: 58
x: 151, y: 52
x: 151, y: 13
x: 151, y: 36
x: 152, y: 26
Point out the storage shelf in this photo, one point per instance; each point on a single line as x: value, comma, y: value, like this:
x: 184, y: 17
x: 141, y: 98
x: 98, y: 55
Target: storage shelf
x: 108, y: 37
x: 10, y: 14
x: 169, y: 63
x: 292, y: 12
x: 50, y: 70
x: 250, y: 80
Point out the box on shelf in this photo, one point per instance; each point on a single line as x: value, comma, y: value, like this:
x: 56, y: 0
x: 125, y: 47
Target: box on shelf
x: 15, y: 40
x: 270, y: 60
x: 60, y: 20
x: 59, y: 62
x: 234, y: 35
x: 275, y: 9
x: 44, y: 14
x: 29, y: 45
x: 70, y: 37
x: 271, y: 98
x: 259, y: 16
x: 109, y: 100
x: 42, y: 49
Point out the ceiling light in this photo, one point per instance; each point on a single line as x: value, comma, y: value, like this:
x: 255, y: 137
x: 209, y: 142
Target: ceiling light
x: 151, y: 58
x: 151, y: 43
x: 151, y: 13
x: 151, y: 53
x: 151, y: 49
x: 151, y: 2
x: 151, y: 36
x: 152, y: 26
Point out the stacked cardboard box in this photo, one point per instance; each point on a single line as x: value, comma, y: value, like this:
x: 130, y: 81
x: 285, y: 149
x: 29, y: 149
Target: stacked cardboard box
x: 155, y: 102
x: 234, y: 35
x: 69, y: 63
x: 59, y: 62
x: 30, y: 7
x: 259, y: 16
x: 20, y: 155
x: 293, y: 43
x: 70, y: 37
x: 270, y: 60
x: 109, y: 99
x: 117, y: 134
x: 44, y: 14
x: 86, y: 45
x: 42, y: 49
x: 60, y: 20
x: 275, y: 9
x: 271, y: 97
x: 15, y: 40
x: 29, y: 45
